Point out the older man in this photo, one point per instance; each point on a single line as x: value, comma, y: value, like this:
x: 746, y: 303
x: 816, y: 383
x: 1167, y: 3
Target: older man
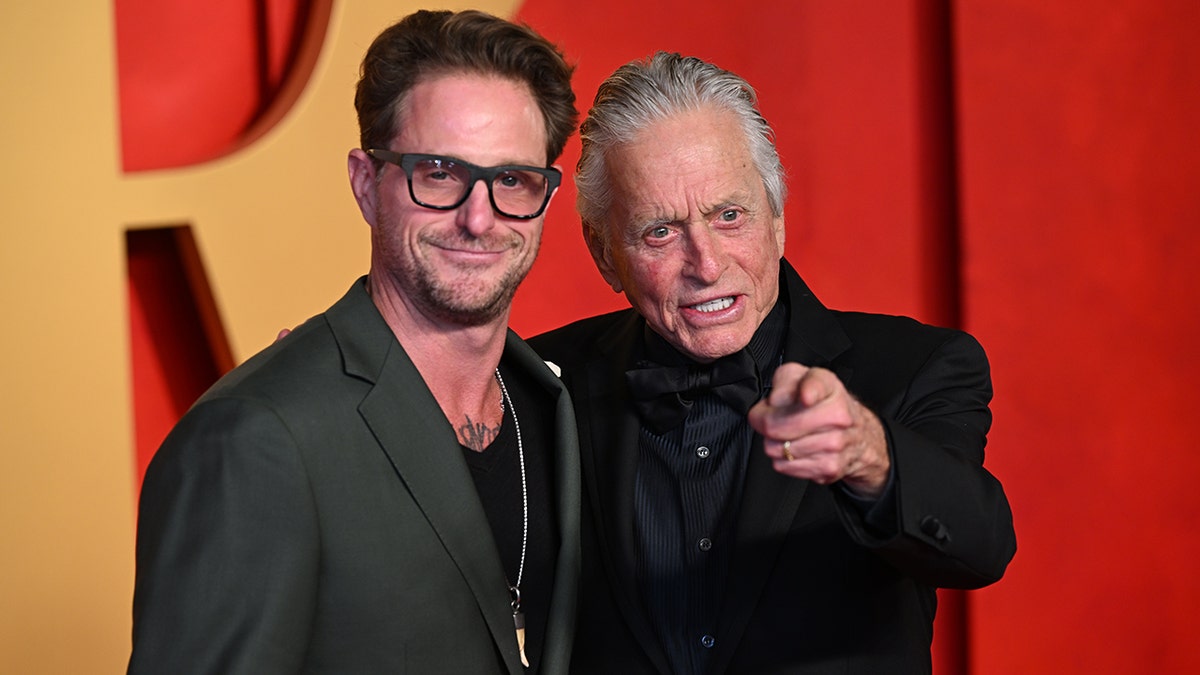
x: 394, y: 486
x: 770, y: 485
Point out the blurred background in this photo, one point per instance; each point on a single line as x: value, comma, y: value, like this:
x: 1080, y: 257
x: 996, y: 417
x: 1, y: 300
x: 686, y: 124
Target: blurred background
x: 174, y: 193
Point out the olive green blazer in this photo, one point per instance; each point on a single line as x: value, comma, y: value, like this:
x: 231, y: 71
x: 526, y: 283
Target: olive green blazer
x: 312, y: 513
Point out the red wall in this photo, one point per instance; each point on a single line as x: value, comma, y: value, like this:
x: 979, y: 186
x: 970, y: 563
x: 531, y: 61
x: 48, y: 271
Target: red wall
x: 1081, y: 200
x: 1026, y: 169
x: 859, y: 95
x: 195, y: 77
x: 851, y: 92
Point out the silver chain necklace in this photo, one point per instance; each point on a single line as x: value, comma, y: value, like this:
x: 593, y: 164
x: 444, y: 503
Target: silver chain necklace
x: 515, y: 589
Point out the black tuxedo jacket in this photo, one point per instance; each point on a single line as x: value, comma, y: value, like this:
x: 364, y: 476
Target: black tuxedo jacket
x: 313, y: 513
x: 812, y: 587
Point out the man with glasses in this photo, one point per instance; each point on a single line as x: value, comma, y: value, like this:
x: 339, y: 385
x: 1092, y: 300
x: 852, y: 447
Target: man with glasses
x: 444, y: 183
x: 393, y: 487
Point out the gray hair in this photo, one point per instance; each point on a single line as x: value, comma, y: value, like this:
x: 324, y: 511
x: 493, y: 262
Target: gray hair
x: 653, y: 89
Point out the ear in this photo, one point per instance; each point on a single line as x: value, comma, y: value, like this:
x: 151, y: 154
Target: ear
x: 780, y: 234
x: 362, y: 182
x: 602, y: 255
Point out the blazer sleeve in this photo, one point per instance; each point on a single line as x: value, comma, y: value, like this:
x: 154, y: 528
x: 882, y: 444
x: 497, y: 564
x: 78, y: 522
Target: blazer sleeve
x: 952, y: 522
x: 226, y: 547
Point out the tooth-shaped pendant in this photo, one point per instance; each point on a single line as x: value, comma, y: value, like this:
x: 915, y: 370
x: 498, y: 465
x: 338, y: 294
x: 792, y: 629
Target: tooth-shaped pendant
x: 519, y: 622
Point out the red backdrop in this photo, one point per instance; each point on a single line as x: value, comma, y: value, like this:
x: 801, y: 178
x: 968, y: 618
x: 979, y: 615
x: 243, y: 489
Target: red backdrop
x: 1027, y: 170
x: 1080, y: 168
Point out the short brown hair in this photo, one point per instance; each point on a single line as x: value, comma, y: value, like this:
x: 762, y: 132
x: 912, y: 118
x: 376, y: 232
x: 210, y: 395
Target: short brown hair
x: 440, y: 42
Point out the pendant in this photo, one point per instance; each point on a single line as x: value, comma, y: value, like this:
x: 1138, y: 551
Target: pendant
x: 519, y: 622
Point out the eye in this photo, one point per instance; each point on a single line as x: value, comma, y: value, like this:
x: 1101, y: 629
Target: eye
x: 729, y: 216
x: 654, y: 234
x: 509, y: 180
x: 437, y: 171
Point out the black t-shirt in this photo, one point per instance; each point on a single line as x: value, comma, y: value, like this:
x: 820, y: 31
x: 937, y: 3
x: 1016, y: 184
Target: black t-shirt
x: 497, y: 474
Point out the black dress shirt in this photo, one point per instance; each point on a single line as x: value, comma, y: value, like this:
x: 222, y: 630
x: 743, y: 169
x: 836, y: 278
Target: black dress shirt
x: 688, y: 486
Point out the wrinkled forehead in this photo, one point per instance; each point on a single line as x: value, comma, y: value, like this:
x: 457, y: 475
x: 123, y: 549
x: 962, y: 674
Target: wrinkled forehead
x: 682, y: 168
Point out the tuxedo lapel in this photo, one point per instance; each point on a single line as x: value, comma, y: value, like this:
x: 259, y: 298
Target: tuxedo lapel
x: 420, y: 444
x: 608, y: 430
x: 771, y: 502
x: 814, y: 336
x: 769, y: 505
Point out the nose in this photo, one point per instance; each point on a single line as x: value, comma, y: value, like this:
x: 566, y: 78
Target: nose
x: 475, y: 215
x: 706, y: 259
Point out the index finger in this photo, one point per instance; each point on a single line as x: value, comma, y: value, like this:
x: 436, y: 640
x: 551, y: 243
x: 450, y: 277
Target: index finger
x: 785, y: 385
x: 817, y: 385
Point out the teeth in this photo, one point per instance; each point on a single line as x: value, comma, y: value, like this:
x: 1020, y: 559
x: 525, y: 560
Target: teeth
x: 714, y: 305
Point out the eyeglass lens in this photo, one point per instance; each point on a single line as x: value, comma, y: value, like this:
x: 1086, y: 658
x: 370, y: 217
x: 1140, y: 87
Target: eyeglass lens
x: 439, y: 182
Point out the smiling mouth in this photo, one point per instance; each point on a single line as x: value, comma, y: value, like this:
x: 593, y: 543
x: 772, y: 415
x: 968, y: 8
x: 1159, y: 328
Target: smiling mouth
x: 486, y: 245
x: 713, y: 305
x: 471, y: 250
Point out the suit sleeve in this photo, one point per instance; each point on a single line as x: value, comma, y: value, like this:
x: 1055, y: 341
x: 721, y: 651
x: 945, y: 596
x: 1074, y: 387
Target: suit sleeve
x: 226, y: 547
x: 952, y: 522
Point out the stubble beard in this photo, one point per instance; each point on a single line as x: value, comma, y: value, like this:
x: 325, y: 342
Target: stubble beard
x: 456, y: 294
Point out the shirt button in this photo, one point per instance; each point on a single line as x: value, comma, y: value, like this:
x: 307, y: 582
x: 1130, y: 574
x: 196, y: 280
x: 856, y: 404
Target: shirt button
x: 704, y: 544
x: 708, y: 641
x: 702, y: 452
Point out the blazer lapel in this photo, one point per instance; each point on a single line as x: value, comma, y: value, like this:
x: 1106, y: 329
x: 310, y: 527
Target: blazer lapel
x: 421, y: 446
x: 560, y: 626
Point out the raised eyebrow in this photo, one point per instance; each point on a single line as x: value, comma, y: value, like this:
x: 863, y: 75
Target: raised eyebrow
x: 635, y: 227
x: 651, y: 223
x: 729, y: 204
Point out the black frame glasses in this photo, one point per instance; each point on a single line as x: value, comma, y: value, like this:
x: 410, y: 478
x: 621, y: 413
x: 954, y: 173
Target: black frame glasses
x: 488, y: 174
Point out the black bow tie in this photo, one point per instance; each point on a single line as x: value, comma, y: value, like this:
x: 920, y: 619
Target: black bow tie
x: 662, y: 395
